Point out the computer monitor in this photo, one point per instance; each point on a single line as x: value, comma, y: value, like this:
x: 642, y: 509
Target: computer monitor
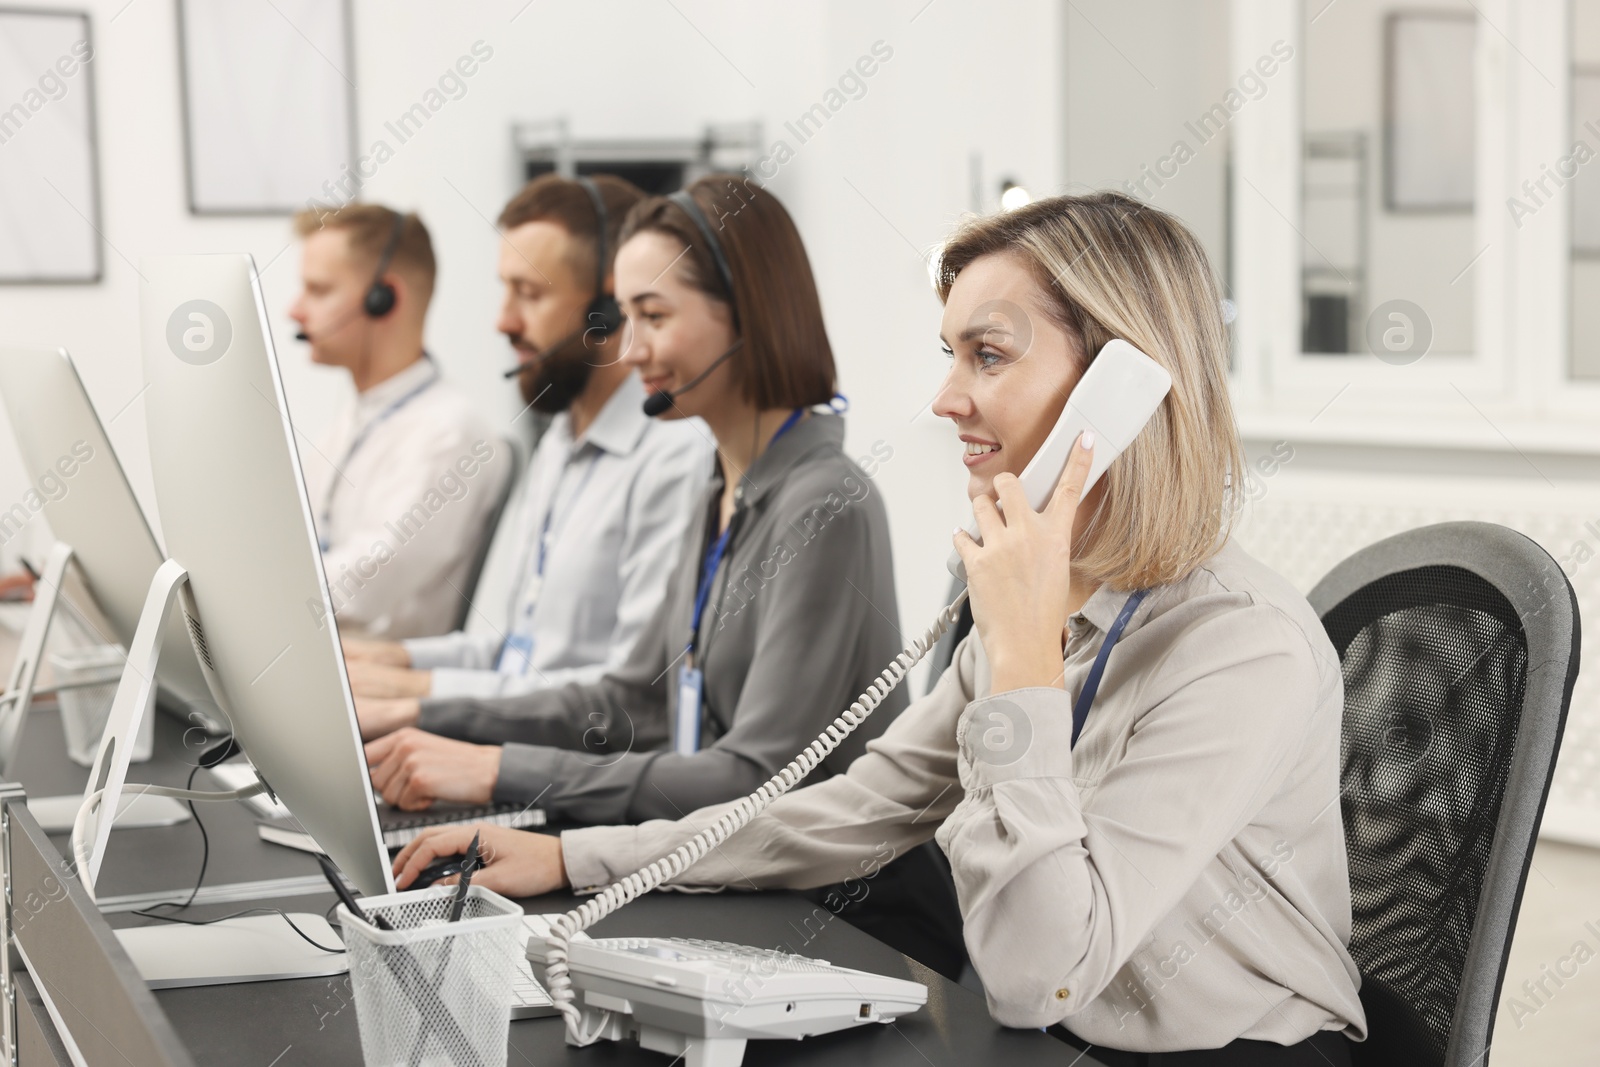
x: 235, y: 515
x: 90, y: 506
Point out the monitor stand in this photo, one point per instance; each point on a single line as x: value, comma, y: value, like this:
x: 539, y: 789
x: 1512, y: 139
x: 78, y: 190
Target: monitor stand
x: 55, y: 814
x: 251, y: 948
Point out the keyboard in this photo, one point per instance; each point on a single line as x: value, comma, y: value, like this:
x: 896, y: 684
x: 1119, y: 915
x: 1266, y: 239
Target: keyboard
x: 705, y: 999
x: 528, y: 997
x: 400, y: 828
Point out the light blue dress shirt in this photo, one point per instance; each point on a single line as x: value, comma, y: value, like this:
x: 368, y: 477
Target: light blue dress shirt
x: 610, y: 509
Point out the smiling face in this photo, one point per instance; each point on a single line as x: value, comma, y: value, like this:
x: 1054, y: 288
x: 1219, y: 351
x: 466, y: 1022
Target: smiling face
x: 1012, y: 368
x: 675, y: 330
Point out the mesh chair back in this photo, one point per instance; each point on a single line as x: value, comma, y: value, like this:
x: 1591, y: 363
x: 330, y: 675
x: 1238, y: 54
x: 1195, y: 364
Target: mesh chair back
x: 1459, y: 650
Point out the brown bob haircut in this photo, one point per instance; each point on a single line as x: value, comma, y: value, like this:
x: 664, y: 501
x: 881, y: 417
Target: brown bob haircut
x: 786, y: 361
x: 1110, y: 266
x: 367, y: 228
x: 552, y: 198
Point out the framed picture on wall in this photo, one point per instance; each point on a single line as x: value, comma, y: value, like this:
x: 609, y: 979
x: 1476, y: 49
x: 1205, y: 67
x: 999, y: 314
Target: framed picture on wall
x: 1430, y: 139
x: 49, y: 190
x: 268, y: 104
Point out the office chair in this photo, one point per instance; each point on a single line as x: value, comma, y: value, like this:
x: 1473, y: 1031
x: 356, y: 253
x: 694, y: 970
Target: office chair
x: 1459, y: 644
x: 491, y: 526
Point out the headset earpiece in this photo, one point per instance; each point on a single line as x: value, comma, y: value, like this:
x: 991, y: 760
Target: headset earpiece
x: 380, y: 297
x: 603, y: 313
x: 379, y: 300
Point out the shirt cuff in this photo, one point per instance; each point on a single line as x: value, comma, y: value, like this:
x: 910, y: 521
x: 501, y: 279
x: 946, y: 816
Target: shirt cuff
x: 1021, y: 733
x: 455, y: 682
x: 444, y: 716
x: 428, y: 653
x: 593, y: 853
x: 526, y: 772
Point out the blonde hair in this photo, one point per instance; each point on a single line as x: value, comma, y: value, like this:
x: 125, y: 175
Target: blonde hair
x: 1114, y: 267
x: 369, y: 227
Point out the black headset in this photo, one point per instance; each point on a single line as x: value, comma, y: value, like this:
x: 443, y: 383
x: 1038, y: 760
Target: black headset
x: 659, y: 403
x: 603, y: 313
x: 692, y: 209
x: 380, y: 297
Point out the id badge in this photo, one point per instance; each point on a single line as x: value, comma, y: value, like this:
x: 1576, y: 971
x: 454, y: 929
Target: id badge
x: 686, y: 737
x: 516, y: 654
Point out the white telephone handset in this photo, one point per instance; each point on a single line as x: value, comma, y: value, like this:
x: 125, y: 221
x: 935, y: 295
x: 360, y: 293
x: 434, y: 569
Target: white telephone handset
x: 1116, y: 396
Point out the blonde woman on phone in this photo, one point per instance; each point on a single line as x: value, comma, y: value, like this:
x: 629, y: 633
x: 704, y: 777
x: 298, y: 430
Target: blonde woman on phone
x: 1172, y: 882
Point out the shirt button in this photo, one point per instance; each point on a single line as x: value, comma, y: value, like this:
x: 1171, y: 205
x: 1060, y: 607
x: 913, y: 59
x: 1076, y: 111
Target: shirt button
x: 1062, y: 994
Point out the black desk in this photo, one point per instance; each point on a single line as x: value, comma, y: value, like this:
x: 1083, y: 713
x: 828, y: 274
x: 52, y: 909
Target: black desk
x: 313, y: 1021
x: 162, y: 858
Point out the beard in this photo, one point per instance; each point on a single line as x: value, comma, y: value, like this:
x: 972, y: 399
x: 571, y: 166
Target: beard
x: 552, y: 383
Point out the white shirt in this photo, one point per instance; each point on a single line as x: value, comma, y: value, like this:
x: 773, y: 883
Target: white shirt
x: 611, y: 510
x: 401, y: 489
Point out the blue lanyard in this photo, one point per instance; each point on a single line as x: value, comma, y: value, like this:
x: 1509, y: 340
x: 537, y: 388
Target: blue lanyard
x: 1091, y: 686
x: 719, y: 548
x: 361, y: 439
x: 708, y: 571
x: 540, y: 553
x: 572, y: 501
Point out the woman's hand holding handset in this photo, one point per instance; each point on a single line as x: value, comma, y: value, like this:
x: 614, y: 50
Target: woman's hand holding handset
x: 1019, y: 579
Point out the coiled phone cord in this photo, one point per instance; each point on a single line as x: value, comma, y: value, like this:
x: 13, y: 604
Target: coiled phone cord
x: 563, y: 928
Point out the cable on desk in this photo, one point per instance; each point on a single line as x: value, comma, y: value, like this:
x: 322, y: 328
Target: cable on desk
x: 208, y: 759
x: 239, y: 914
x: 205, y: 854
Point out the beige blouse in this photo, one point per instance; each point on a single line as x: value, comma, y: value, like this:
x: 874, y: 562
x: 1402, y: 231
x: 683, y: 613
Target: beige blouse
x: 1177, y: 881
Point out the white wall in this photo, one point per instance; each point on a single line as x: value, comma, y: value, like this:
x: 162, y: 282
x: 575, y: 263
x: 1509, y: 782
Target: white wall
x: 962, y: 80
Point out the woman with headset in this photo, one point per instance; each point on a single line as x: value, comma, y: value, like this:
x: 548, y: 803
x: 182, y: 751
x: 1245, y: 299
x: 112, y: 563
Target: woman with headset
x: 1171, y: 882
x: 784, y: 586
x: 782, y: 606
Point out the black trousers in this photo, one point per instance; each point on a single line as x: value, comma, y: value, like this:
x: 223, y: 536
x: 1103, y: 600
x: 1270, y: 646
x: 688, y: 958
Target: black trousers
x: 1320, y: 1050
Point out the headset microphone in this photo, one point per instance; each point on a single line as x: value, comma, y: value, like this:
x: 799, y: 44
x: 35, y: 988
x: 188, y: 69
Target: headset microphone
x: 658, y: 403
x: 523, y: 368
x: 380, y: 297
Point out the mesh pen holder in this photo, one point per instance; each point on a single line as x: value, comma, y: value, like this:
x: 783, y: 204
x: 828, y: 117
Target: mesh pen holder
x: 432, y: 991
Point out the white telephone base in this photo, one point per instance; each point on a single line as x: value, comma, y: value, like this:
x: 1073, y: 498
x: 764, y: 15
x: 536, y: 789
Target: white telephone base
x: 702, y: 1000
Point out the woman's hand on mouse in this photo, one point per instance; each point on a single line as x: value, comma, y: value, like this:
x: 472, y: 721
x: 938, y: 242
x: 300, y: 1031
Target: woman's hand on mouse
x: 1020, y: 579
x: 516, y: 863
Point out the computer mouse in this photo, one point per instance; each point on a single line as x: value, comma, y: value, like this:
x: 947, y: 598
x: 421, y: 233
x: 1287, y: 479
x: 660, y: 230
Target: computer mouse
x: 443, y: 867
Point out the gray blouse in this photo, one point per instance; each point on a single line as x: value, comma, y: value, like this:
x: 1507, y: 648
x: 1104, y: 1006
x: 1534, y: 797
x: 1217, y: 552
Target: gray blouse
x: 1176, y: 881
x: 801, y: 617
